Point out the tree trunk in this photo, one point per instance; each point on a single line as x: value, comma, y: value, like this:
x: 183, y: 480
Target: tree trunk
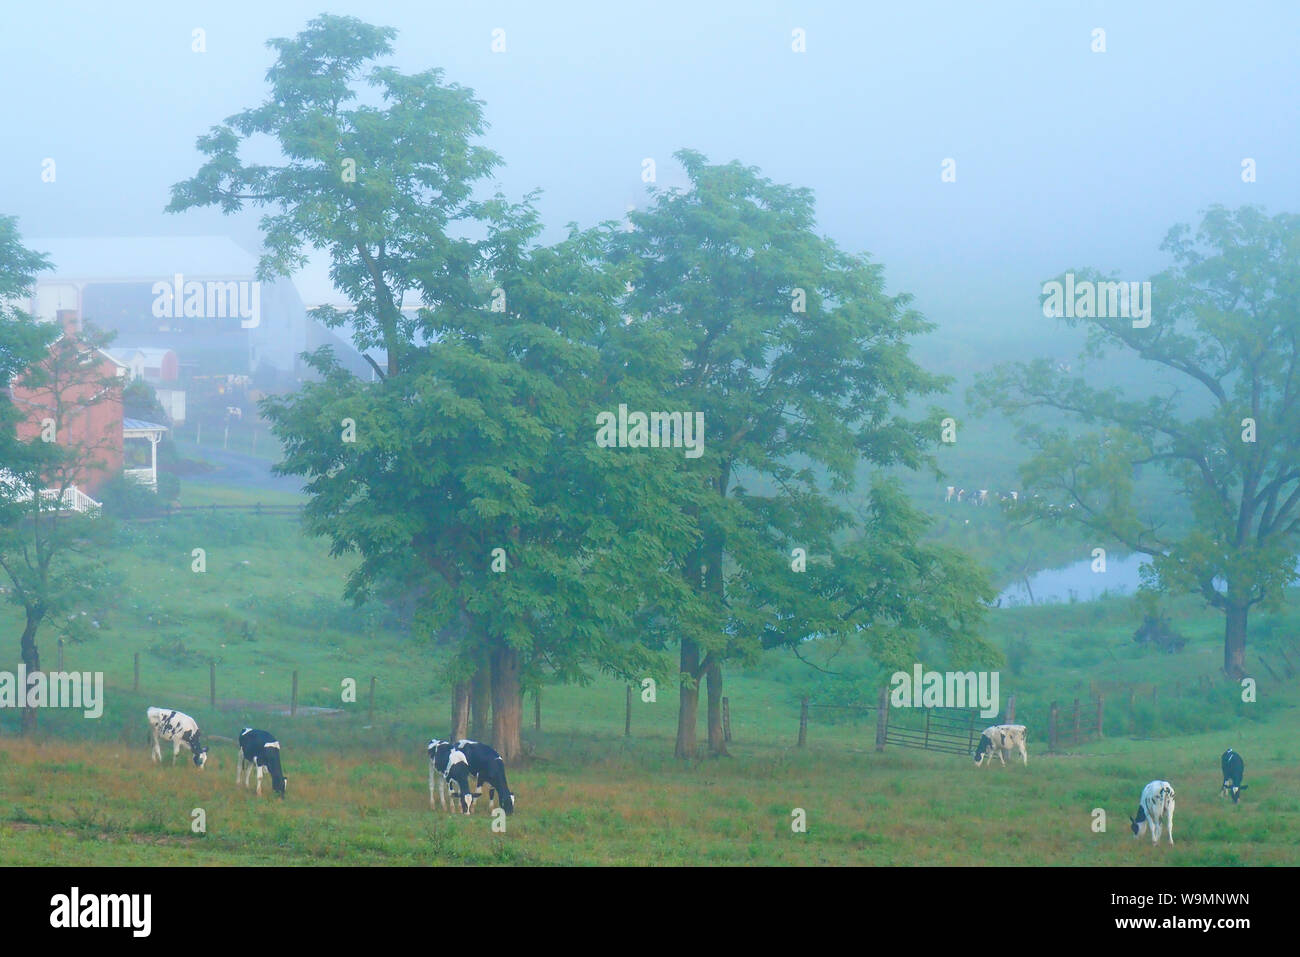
x: 32, y: 659
x: 460, y: 711
x: 480, y: 702
x: 507, y: 702
x: 717, y: 734
x: 1234, y: 642
x: 688, y: 701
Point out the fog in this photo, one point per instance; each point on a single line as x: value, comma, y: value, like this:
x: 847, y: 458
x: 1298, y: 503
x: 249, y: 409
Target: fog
x: 1064, y: 156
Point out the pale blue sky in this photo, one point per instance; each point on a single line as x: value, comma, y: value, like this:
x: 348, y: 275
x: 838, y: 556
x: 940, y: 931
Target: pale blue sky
x: 1064, y: 157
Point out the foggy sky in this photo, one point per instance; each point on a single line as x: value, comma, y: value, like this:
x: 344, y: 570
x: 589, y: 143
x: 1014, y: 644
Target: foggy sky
x: 1065, y: 157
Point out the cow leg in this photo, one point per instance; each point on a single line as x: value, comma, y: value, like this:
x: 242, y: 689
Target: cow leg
x: 176, y: 749
x: 1001, y: 758
x: 431, y: 785
x: 259, y: 778
x: 155, y: 753
x: 239, y: 765
x: 1024, y: 754
x: 1170, y: 826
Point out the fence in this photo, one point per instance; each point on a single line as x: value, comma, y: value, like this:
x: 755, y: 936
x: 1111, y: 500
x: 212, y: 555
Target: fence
x: 946, y: 730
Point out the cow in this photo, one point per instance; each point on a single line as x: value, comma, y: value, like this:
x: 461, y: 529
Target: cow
x: 1156, y: 804
x: 1233, y: 769
x: 948, y: 495
x: 259, y: 749
x: 984, y: 497
x: 179, y: 728
x: 488, y: 767
x: 1001, y: 739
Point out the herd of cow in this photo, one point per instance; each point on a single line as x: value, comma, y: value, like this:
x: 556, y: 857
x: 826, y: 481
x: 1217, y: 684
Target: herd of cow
x: 450, y: 765
x: 1155, y: 806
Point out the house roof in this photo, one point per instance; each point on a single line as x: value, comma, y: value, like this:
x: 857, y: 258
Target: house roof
x: 144, y: 258
x: 151, y: 357
x: 141, y: 426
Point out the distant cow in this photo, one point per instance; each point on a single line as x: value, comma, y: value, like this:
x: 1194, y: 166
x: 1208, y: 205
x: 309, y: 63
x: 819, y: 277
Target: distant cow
x: 234, y: 412
x: 1001, y: 739
x: 1156, y: 805
x: 948, y: 495
x: 178, y: 728
x: 259, y: 749
x: 1233, y: 769
x: 488, y: 767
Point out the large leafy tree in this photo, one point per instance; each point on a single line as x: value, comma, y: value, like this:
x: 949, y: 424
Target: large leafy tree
x: 480, y: 462
x: 1220, y: 422
x: 48, y: 552
x: 799, y: 361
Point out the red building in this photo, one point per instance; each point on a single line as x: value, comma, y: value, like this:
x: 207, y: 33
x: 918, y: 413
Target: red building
x: 91, y: 399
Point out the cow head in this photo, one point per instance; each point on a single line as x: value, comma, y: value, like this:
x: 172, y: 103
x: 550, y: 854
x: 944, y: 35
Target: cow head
x: 1233, y: 789
x: 281, y: 786
x: 1138, y: 824
x: 980, y: 752
x: 200, y: 755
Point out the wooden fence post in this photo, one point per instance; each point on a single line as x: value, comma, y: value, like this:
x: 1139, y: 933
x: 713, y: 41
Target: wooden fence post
x: 1011, y: 710
x: 537, y: 710
x: 1076, y: 722
x: 882, y: 719
x: 627, y: 720
x: 370, y: 720
x: 136, y: 686
x: 926, y: 741
x: 1101, y: 701
x: 212, y: 683
x: 803, y: 722
x: 293, y: 699
x: 726, y: 719
x: 1051, y: 728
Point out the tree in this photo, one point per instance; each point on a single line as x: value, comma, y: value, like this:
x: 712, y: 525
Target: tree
x: 1222, y: 426
x: 799, y: 362
x: 47, y: 551
x: 480, y: 461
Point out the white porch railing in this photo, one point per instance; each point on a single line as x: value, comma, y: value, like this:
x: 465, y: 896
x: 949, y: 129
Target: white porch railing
x: 73, y: 499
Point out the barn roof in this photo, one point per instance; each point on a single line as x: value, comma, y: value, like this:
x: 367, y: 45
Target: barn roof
x: 145, y: 258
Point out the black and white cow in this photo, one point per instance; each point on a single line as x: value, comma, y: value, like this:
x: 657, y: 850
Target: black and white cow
x: 1233, y: 769
x: 260, y: 750
x: 178, y: 728
x: 1156, y: 805
x: 489, y: 768
x: 1001, y: 740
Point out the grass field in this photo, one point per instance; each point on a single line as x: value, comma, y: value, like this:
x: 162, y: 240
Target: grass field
x: 268, y: 604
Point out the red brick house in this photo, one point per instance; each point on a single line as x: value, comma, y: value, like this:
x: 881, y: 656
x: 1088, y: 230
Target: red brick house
x: 91, y: 399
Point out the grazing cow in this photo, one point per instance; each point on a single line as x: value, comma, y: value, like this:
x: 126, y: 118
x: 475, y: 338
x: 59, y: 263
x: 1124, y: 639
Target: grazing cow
x: 1001, y: 739
x: 259, y: 749
x: 948, y: 495
x: 1157, y: 804
x: 984, y: 497
x: 961, y: 494
x: 1233, y: 769
x: 488, y: 767
x: 178, y: 728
